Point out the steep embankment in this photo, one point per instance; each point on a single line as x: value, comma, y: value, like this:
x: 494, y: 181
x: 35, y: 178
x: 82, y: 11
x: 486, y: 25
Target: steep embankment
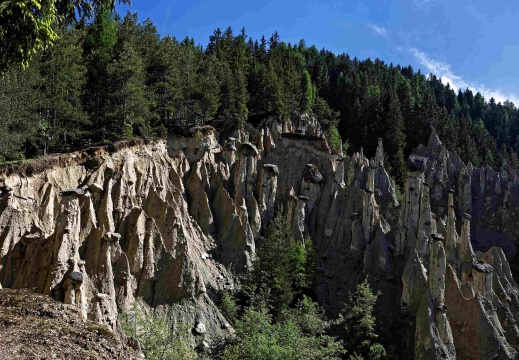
x: 34, y: 326
x: 171, y: 222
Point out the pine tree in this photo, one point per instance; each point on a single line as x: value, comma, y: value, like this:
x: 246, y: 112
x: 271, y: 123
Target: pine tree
x: 359, y: 323
x: 129, y: 112
x: 99, y: 51
x: 395, y: 139
x: 308, y: 91
x: 206, y: 92
x: 63, y: 76
x: 283, y: 269
x: 19, y: 121
x: 164, y: 82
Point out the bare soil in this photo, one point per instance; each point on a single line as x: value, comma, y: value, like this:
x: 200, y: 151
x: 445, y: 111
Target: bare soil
x: 35, y: 326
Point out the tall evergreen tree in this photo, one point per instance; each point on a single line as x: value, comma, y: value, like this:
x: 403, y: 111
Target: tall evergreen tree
x: 19, y: 121
x: 63, y: 76
x: 128, y: 112
x: 308, y: 91
x: 395, y: 139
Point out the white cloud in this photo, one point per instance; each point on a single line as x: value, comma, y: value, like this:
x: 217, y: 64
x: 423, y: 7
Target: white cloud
x: 444, y: 72
x: 379, y: 30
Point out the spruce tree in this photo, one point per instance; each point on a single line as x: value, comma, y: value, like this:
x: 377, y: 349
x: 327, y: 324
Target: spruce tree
x: 63, y: 76
x: 395, y: 139
x: 128, y: 107
x: 19, y: 121
x: 359, y: 324
x: 308, y: 91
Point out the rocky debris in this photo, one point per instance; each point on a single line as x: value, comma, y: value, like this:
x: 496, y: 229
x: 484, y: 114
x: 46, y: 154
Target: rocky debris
x: 437, y: 237
x: 101, y: 296
x: 76, y: 277
x: 200, y: 328
x: 482, y: 267
x: 312, y: 174
x: 204, y: 130
x: 36, y: 326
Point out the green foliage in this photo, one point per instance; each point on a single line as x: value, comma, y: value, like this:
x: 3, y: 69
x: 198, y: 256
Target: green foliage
x: 399, y: 194
x: 157, y: 340
x: 359, y: 323
x: 228, y: 307
x: 62, y: 78
x: 19, y: 120
x: 308, y: 91
x: 29, y: 26
x: 395, y: 137
x: 345, y: 147
x: 112, y: 78
x: 127, y: 104
x: 296, y: 336
x: 283, y: 267
x: 279, y: 321
x: 326, y: 116
x: 333, y: 138
x: 25, y: 27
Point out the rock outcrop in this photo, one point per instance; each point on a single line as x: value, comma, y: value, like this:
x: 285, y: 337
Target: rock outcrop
x: 171, y: 222
x: 458, y: 306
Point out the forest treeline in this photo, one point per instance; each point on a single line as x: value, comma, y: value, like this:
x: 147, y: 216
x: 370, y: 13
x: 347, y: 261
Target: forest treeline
x: 115, y: 78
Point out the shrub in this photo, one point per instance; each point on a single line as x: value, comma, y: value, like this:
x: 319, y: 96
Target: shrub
x: 157, y: 339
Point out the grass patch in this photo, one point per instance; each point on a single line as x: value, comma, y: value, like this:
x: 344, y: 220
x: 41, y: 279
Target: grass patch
x: 101, y: 330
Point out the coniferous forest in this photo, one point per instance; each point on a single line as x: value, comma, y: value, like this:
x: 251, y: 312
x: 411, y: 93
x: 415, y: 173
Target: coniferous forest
x: 109, y: 78
x: 114, y: 78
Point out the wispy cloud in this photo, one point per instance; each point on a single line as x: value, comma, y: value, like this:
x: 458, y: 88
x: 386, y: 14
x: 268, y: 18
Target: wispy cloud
x: 420, y: 3
x: 444, y: 72
x: 167, y: 16
x: 379, y: 30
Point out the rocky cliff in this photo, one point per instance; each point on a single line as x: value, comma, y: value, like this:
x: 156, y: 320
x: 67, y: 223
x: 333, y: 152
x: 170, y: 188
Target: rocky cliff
x: 171, y: 222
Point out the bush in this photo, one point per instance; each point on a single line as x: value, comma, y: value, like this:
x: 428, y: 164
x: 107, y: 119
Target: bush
x: 296, y: 336
x: 158, y: 341
x: 398, y: 193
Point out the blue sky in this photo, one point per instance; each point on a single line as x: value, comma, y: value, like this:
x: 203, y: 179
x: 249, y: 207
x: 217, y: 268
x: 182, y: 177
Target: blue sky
x: 468, y: 43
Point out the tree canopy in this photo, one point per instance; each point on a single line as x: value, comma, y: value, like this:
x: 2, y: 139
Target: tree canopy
x: 111, y: 78
x: 28, y: 26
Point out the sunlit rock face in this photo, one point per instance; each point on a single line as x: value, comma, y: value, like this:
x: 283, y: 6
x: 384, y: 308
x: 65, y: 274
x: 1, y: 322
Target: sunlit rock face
x: 459, y: 309
x: 172, y: 222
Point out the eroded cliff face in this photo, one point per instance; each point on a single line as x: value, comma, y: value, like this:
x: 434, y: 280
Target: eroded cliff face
x: 462, y: 302
x: 171, y: 222
x: 108, y: 229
